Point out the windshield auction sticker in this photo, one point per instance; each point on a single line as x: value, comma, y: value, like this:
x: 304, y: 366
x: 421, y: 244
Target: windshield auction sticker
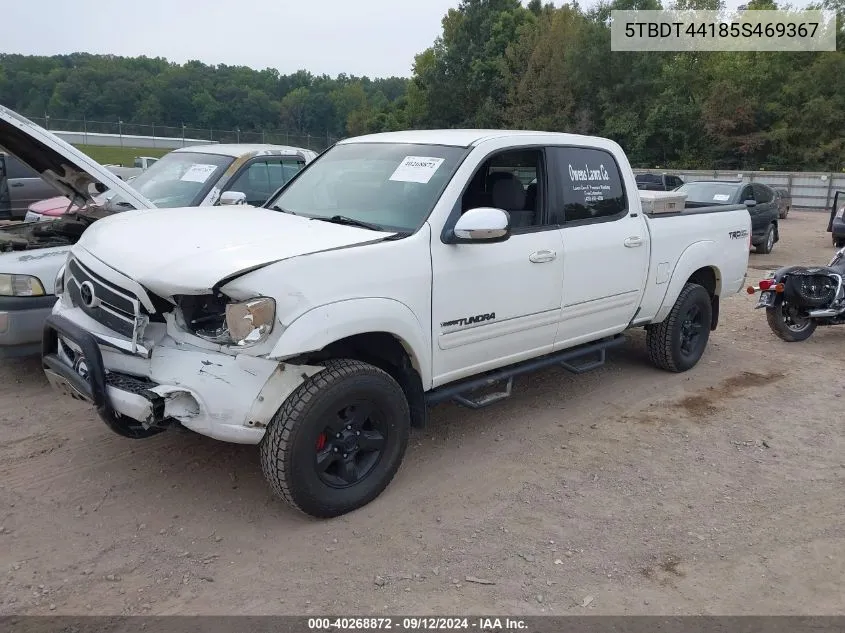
x: 416, y: 169
x: 755, y: 30
x: 198, y: 173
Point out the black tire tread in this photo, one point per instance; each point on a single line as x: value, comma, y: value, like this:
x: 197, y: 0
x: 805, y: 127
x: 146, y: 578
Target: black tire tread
x: 777, y: 326
x: 659, y: 335
x: 760, y: 249
x: 277, y: 443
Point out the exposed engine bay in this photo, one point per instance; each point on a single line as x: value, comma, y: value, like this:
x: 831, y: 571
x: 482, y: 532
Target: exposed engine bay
x: 33, y: 235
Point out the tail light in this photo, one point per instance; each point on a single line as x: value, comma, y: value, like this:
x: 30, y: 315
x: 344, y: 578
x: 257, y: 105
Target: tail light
x: 765, y: 285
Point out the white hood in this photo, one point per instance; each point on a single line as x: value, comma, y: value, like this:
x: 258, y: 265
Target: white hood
x: 59, y: 163
x: 190, y: 250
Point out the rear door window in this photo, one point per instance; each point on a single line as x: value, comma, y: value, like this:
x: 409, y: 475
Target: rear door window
x: 589, y: 186
x: 16, y: 169
x: 762, y: 194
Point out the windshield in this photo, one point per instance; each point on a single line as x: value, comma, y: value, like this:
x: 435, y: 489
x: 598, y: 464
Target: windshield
x: 712, y: 192
x: 179, y: 179
x: 391, y: 186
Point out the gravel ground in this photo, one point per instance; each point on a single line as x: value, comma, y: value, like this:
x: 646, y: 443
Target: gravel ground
x: 626, y: 491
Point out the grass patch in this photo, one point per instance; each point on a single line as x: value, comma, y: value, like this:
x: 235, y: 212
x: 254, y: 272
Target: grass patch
x: 120, y: 155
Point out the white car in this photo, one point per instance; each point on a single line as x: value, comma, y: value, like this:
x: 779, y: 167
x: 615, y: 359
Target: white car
x: 395, y: 271
x: 31, y: 254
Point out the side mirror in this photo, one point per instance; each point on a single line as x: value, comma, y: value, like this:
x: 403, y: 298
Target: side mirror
x: 232, y: 197
x: 750, y: 203
x: 484, y: 224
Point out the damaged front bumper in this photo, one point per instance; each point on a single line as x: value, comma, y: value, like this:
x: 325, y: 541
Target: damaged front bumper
x: 229, y: 398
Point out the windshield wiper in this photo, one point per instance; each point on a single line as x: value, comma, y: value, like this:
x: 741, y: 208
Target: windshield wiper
x: 347, y: 221
x: 276, y: 207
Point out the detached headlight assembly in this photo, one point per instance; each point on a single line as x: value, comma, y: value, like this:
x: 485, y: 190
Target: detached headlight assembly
x: 216, y: 319
x: 20, y: 286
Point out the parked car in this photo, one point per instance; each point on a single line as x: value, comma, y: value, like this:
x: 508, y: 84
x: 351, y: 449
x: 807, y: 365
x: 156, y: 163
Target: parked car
x: 836, y: 219
x: 783, y: 201
x: 658, y: 182
x: 395, y: 271
x: 25, y: 187
x: 56, y: 207
x: 254, y: 170
x: 144, y: 162
x: 759, y: 198
x: 31, y: 254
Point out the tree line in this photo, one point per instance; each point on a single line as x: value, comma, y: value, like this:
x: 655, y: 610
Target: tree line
x: 496, y: 63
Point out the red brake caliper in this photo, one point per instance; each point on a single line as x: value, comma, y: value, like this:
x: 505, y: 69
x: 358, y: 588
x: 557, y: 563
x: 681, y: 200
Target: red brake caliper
x: 321, y: 441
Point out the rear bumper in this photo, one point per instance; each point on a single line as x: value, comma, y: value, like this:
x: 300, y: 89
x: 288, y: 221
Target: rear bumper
x: 838, y: 227
x: 21, y: 324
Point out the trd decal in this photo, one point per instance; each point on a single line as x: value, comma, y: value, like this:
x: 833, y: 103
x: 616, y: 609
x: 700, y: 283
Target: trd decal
x: 479, y: 318
x: 737, y: 235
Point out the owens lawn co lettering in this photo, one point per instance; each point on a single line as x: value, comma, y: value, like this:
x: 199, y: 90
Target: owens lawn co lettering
x: 588, y: 174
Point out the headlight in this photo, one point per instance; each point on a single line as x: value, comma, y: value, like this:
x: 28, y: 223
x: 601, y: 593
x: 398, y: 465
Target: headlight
x: 249, y: 322
x: 215, y: 319
x: 59, y: 284
x: 20, y: 286
x: 840, y: 212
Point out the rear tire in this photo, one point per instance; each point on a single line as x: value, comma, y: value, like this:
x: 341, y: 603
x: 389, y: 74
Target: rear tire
x: 838, y: 242
x: 678, y: 342
x: 787, y: 328
x: 765, y: 247
x: 338, y: 440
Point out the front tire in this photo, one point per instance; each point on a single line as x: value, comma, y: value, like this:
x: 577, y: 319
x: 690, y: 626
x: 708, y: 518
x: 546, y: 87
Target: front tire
x: 788, y: 326
x: 678, y: 342
x: 765, y: 247
x: 338, y: 440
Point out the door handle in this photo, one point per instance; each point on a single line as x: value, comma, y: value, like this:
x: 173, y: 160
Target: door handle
x: 541, y: 257
x: 16, y: 184
x: 634, y: 241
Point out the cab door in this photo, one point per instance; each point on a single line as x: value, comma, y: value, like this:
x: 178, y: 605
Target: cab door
x: 495, y: 304
x: 606, y: 245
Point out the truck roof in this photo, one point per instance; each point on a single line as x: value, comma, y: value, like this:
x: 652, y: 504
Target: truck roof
x: 458, y: 138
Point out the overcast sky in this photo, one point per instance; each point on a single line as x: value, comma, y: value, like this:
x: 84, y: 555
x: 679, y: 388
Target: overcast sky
x: 377, y: 38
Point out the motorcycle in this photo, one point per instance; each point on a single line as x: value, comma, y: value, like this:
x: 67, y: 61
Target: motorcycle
x: 797, y: 299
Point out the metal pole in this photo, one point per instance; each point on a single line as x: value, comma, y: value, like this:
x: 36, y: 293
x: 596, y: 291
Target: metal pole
x: 829, y: 188
x: 120, y: 130
x: 84, y: 131
x: 154, y: 134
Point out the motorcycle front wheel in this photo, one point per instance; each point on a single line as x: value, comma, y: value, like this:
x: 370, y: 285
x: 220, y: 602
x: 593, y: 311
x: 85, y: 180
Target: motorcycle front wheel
x: 788, y: 325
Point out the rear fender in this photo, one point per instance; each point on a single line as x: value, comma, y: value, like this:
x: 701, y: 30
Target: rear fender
x: 696, y: 256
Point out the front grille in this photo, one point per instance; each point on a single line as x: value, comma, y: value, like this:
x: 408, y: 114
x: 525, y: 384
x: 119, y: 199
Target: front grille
x: 116, y: 308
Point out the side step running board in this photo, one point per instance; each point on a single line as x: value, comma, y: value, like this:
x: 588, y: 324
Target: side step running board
x: 591, y: 356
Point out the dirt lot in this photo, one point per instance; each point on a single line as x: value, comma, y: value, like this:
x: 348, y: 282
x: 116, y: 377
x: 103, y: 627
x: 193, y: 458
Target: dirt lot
x: 627, y: 490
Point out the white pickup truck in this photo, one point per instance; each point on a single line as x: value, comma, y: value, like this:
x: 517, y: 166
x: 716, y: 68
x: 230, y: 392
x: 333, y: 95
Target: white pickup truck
x: 394, y: 272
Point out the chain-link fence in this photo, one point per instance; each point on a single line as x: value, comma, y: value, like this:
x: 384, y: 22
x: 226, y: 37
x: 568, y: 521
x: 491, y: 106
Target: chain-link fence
x: 125, y: 134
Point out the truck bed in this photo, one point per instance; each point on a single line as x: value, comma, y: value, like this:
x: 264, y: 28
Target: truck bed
x: 714, y: 236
